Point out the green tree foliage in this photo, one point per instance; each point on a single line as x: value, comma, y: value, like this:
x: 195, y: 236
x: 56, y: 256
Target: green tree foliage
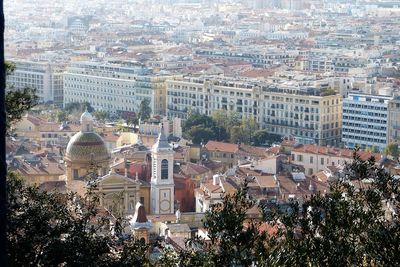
x: 352, y: 226
x: 356, y: 224
x: 249, y: 126
x: 144, y: 112
x: 61, y: 116
x: 197, y: 119
x: 10, y: 67
x: 202, y: 128
x: 226, y: 126
x: 235, y: 240
x: 78, y: 107
x: 262, y: 137
x: 199, y: 134
x: 87, y: 106
x: 244, y: 133
x: 17, y: 102
x: 393, y: 150
x: 121, y: 126
x: 53, y: 229
x: 101, y: 115
x: 328, y: 92
x: 226, y: 119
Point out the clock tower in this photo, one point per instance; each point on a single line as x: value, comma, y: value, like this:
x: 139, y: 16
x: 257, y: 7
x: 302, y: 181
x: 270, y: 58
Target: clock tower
x: 162, y: 181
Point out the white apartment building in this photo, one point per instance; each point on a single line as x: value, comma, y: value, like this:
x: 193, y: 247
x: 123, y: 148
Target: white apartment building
x: 114, y: 87
x: 45, y: 77
x: 262, y: 58
x: 282, y: 109
x: 365, y: 121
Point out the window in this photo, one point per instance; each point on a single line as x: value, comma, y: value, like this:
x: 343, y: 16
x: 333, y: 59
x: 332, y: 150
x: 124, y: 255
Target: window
x: 299, y: 158
x: 76, y: 174
x: 311, y: 159
x: 164, y: 169
x: 322, y: 161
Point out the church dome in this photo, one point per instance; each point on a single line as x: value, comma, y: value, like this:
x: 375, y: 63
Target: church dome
x: 87, y: 147
x: 86, y: 117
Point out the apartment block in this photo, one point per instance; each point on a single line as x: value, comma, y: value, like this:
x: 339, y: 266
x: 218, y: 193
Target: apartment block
x: 45, y: 77
x: 204, y: 95
x: 394, y: 120
x: 284, y: 110
x: 114, y: 87
x: 317, y: 158
x: 310, y: 119
x: 365, y: 121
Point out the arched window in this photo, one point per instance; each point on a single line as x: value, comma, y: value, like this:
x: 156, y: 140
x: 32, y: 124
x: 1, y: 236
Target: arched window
x: 164, y: 169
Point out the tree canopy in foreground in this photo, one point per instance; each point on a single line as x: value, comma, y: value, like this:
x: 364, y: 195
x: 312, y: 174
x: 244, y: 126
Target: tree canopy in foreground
x: 356, y: 224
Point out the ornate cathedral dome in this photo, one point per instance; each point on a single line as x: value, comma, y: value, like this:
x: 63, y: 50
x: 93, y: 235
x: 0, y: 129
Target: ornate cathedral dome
x: 86, y: 145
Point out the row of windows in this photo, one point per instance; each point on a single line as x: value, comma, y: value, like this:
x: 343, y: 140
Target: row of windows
x: 322, y: 160
x: 357, y: 137
x: 375, y: 134
x: 364, y: 126
x: 363, y: 106
x: 354, y: 120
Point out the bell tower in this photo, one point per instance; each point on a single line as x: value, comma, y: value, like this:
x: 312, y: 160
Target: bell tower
x: 162, y: 181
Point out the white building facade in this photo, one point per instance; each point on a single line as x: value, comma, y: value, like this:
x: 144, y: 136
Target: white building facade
x: 119, y: 87
x: 45, y: 77
x: 162, y: 181
x: 365, y: 121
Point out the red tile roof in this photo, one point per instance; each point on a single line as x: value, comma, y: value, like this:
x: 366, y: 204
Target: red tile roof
x: 35, y: 120
x: 221, y: 146
x: 194, y: 169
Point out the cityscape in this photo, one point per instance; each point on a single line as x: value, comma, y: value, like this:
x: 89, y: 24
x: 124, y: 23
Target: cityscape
x: 203, y: 132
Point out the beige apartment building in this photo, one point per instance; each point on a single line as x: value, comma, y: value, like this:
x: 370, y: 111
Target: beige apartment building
x: 204, y: 95
x: 284, y: 109
x: 311, y: 119
x: 316, y: 158
x: 393, y: 130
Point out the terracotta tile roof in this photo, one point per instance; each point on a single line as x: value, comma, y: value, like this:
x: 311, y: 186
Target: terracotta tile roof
x: 212, y: 188
x: 194, y: 169
x: 109, y: 137
x: 55, y: 127
x: 266, y: 181
x: 221, y: 146
x: 255, y: 73
x: 273, y: 150
x: 252, y: 150
x: 290, y: 187
x: 228, y: 188
x: 43, y: 168
x: 212, y: 165
x: 34, y: 120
